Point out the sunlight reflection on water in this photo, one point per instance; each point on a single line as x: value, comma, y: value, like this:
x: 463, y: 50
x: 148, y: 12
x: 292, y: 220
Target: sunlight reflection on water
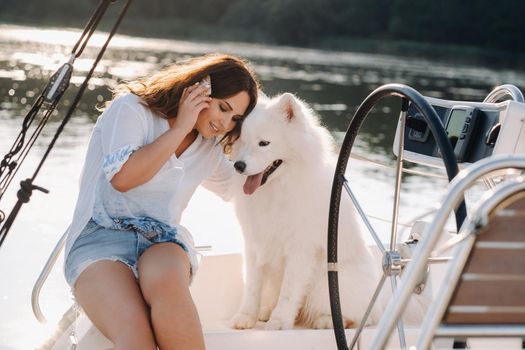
x: 333, y: 82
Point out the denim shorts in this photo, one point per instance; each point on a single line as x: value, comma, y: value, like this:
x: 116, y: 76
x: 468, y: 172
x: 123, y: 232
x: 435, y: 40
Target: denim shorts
x: 96, y: 243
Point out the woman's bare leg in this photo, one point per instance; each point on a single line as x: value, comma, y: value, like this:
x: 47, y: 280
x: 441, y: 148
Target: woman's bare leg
x: 164, y: 271
x: 110, y: 295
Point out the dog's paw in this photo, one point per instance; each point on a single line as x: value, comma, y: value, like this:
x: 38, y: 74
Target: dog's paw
x: 243, y: 321
x: 323, y: 322
x: 276, y: 324
x: 264, y: 314
x: 352, y: 324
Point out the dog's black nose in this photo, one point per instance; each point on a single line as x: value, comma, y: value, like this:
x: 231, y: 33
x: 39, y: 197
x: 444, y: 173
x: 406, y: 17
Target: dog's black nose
x: 239, y: 166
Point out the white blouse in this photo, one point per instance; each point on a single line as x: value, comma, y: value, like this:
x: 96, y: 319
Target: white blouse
x: 125, y: 126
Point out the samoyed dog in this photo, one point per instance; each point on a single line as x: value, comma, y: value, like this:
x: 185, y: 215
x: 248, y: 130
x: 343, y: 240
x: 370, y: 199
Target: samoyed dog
x: 287, y: 161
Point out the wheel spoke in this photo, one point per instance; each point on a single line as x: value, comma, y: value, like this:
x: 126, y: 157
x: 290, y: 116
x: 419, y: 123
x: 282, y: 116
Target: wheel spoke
x: 399, y: 174
x: 400, y: 326
x: 367, y: 312
x: 363, y: 215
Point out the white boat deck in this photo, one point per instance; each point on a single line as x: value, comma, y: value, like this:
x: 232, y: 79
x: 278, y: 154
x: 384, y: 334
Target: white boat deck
x: 217, y: 291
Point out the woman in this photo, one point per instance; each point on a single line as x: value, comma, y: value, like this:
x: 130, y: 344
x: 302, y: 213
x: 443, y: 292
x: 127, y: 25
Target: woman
x: 128, y: 260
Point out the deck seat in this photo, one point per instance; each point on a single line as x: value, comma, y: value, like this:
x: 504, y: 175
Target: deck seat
x: 491, y: 289
x: 488, y: 292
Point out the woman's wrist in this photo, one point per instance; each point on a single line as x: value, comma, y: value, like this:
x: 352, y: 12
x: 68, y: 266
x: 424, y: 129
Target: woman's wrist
x: 180, y: 127
x: 178, y: 133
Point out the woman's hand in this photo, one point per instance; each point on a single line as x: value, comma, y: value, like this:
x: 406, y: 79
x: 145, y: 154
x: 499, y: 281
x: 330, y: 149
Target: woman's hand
x: 192, y: 101
x: 144, y: 163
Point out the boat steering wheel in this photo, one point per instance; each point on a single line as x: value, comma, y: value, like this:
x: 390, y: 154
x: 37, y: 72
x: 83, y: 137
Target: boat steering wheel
x: 391, y: 258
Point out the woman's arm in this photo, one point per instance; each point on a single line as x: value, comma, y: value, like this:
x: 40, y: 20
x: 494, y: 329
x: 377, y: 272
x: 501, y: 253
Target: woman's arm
x: 144, y: 163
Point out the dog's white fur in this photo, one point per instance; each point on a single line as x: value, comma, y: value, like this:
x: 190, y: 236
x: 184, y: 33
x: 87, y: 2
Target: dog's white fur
x: 284, y: 223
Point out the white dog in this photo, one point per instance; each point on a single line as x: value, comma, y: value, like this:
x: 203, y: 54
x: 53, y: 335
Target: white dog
x: 288, y: 164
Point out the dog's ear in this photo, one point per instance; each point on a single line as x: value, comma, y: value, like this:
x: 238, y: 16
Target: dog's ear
x: 290, y: 105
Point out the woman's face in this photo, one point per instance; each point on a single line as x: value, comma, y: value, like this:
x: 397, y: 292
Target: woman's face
x: 222, y: 115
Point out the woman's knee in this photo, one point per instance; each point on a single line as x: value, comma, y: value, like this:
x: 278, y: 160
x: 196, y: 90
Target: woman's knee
x: 164, y: 271
x: 134, y: 335
x: 111, y: 298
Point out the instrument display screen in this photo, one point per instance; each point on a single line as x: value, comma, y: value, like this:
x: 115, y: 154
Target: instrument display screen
x: 455, y: 123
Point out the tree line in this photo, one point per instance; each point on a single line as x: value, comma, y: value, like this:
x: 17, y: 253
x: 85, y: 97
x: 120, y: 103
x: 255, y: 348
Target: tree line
x: 479, y: 23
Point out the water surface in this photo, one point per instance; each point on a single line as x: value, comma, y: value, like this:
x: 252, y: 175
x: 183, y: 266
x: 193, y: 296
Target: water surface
x: 333, y: 83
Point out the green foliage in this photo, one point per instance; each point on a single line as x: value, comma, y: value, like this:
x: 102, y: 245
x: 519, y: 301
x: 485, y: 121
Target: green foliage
x: 478, y: 23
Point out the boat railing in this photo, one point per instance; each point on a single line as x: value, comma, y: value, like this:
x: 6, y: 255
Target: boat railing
x: 48, y: 267
x: 506, y: 90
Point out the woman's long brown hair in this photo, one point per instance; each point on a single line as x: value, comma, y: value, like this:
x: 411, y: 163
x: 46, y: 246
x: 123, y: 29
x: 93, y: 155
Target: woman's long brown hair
x: 229, y: 75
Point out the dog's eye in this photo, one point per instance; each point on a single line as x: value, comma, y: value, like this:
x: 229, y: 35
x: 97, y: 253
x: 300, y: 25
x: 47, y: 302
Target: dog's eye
x: 264, y: 143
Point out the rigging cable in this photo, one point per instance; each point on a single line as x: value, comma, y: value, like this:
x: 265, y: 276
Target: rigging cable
x: 49, y: 98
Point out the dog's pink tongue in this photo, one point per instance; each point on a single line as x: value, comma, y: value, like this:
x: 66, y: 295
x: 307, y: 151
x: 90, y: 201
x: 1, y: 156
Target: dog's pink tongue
x: 252, y: 183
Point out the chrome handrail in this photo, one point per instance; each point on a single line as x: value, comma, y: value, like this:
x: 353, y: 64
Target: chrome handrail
x: 461, y: 253
x: 506, y: 90
x: 35, y: 295
x: 44, y: 274
x: 410, y: 278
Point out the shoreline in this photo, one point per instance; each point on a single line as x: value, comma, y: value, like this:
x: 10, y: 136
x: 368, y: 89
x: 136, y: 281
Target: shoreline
x: 197, y: 32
